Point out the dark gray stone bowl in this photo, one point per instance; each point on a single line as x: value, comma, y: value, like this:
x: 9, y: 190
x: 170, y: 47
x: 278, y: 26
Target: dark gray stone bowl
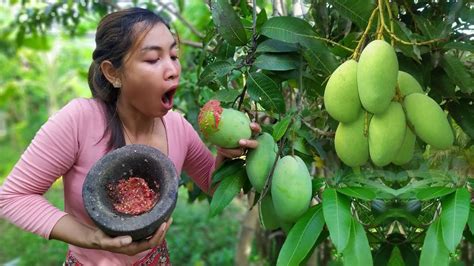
x: 129, y: 161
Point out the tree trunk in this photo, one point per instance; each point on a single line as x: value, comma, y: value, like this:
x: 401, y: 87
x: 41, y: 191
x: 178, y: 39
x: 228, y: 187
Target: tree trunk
x: 246, y: 236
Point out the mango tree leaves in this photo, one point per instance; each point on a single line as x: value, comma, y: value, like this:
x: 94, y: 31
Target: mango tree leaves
x: 463, y: 113
x: 396, y: 258
x: 265, y: 91
x: 319, y: 57
x: 228, y: 23
x: 277, y: 62
x: 279, y: 129
x: 226, y: 191
x: 338, y: 217
x: 454, y: 216
x: 356, y: 10
x: 357, y: 252
x: 434, y: 252
x: 227, y: 168
x: 287, y: 29
x: 302, y: 237
x: 457, y: 72
x: 227, y: 95
x: 276, y: 46
x: 463, y: 46
x: 470, y: 222
x: 214, y: 71
x: 295, y: 30
x: 433, y: 192
x: 358, y: 192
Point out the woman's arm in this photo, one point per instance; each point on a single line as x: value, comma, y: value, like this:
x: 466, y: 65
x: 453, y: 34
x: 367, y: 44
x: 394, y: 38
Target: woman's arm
x: 51, y: 154
x: 69, y: 230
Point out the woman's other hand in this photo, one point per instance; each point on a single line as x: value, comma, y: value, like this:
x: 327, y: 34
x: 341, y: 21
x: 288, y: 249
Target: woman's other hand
x: 124, y: 244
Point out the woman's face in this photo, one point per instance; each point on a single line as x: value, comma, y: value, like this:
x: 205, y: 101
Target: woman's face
x: 151, y: 73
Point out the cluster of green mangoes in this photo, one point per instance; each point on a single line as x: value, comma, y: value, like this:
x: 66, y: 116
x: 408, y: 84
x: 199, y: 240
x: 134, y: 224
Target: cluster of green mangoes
x: 290, y: 191
x: 381, y: 110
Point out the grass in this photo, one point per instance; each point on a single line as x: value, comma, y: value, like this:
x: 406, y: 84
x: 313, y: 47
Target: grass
x: 193, y: 239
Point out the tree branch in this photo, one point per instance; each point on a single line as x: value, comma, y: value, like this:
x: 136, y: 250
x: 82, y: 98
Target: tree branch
x: 317, y: 130
x: 356, y: 53
x: 183, y: 20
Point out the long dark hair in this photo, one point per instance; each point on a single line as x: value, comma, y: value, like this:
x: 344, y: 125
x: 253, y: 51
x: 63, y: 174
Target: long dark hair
x: 115, y: 37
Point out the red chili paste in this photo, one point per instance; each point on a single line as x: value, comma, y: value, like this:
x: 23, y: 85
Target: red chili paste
x: 133, y: 196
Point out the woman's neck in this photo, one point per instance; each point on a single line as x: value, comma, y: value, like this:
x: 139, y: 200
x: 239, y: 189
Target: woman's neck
x: 137, y: 127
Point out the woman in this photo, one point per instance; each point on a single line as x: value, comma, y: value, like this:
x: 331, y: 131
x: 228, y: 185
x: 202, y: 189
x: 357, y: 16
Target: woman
x: 133, y: 77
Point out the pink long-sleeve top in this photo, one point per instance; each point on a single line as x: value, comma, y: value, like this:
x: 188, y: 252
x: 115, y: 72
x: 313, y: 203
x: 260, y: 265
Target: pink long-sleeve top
x: 67, y: 145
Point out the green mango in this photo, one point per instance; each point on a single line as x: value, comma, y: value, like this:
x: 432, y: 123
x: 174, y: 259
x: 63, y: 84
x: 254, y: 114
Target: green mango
x: 341, y: 96
x: 286, y: 226
x: 260, y: 160
x: 405, y: 153
x: 429, y: 120
x: 222, y: 126
x: 352, y: 146
x: 386, y: 134
x: 377, y: 75
x: 268, y: 218
x: 291, y: 188
x: 407, y: 84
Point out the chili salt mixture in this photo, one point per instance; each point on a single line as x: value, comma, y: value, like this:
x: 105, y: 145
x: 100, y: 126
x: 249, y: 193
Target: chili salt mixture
x: 133, y: 196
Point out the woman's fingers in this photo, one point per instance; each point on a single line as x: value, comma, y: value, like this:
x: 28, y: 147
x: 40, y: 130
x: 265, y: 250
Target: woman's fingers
x: 255, y: 127
x: 124, y: 244
x: 248, y: 143
x: 231, y: 153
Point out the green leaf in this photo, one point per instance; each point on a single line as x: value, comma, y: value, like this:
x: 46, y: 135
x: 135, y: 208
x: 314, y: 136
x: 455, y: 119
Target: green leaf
x: 463, y: 113
x: 319, y: 57
x: 228, y: 23
x: 431, y: 28
x: 276, y: 46
x: 225, y: 51
x: 214, y: 71
x: 227, y: 95
x: 433, y: 192
x: 392, y: 214
x: 358, y: 192
x: 357, y: 252
x: 302, y: 237
x: 357, y: 11
x: 463, y: 46
x: 279, y: 129
x: 454, y: 217
x: 277, y: 62
x: 229, y: 167
x: 457, y: 72
x: 338, y: 217
x: 226, y: 191
x: 396, y: 258
x: 287, y: 29
x: 409, y: 254
x: 434, y: 252
x: 265, y: 91
x: 470, y: 222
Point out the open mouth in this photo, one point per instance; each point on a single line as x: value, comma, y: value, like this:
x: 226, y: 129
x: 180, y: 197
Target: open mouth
x: 167, y: 98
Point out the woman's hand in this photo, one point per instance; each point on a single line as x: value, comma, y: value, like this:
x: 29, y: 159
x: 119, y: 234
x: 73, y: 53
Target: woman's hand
x: 124, y: 244
x: 244, y: 145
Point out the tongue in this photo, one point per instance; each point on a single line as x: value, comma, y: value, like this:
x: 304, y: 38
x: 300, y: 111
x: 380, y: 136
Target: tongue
x: 167, y: 101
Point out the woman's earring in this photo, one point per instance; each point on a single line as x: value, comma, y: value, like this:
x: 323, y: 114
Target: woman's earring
x: 117, y: 84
